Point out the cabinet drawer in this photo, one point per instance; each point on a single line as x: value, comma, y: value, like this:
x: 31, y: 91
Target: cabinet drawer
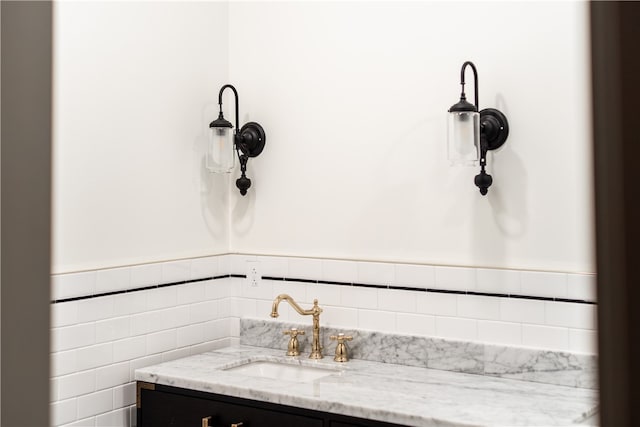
x: 166, y: 409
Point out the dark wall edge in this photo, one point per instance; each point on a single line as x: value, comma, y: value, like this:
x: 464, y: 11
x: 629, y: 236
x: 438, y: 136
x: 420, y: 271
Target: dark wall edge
x: 26, y: 211
x: 615, y: 35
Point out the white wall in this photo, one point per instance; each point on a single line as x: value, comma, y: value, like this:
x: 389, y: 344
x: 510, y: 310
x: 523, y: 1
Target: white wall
x: 135, y: 86
x: 353, y: 97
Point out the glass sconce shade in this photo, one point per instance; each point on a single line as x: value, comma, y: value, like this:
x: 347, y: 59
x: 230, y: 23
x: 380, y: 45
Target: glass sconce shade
x: 220, y: 151
x: 464, y: 138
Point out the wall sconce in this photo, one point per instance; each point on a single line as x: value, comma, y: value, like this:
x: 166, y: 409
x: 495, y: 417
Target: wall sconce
x: 472, y: 134
x: 248, y: 142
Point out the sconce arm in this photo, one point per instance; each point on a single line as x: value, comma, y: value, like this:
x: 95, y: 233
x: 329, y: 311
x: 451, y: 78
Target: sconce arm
x: 235, y: 92
x: 237, y: 139
x: 475, y: 82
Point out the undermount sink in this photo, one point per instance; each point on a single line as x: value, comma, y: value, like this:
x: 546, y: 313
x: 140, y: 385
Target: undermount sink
x: 282, y: 371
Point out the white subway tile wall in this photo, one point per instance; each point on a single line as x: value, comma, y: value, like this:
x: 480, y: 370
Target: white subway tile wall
x: 340, y: 317
x: 457, y: 328
x: 455, y: 278
x: 145, y: 275
x: 544, y: 284
x: 505, y: 333
x: 118, y: 417
x: 91, y: 421
x: 74, y: 285
x: 581, y: 286
x: 522, y: 311
x: 176, y: 271
x: 64, y: 411
x: 376, y: 320
x: 437, y: 304
x: 273, y: 266
x: 583, y: 341
x: 416, y: 324
x: 115, y: 279
x: 479, y: 307
x: 339, y: 271
x: 237, y: 264
x: 98, y: 343
x: 570, y: 315
x: 545, y: 337
x: 393, y: 300
x: 375, y: 273
x: 305, y: 268
x: 263, y: 291
x: 205, y: 267
x: 415, y: 276
x: 498, y: 281
x: 359, y: 297
x: 328, y: 294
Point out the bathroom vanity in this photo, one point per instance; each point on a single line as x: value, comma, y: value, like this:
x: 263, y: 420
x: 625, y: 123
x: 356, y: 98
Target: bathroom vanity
x: 254, y: 386
x: 170, y: 406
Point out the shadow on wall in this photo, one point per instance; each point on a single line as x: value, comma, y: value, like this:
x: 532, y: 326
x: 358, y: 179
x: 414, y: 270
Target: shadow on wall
x: 505, y: 205
x: 243, y: 211
x: 510, y: 214
x: 243, y: 214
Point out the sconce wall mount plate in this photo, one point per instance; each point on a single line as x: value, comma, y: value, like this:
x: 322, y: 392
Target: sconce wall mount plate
x: 252, y: 139
x: 495, y: 127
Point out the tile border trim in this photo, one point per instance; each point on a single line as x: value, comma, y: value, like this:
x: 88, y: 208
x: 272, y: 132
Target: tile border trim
x: 325, y: 282
x: 142, y: 288
x: 430, y: 290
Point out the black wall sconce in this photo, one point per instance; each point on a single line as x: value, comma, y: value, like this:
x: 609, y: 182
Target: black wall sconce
x: 472, y: 133
x: 248, y: 141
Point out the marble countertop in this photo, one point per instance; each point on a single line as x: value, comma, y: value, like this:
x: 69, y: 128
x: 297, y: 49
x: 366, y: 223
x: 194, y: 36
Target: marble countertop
x: 383, y: 391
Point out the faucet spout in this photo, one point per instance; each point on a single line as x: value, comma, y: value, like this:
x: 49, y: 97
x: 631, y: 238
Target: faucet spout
x: 316, y: 349
x: 292, y: 303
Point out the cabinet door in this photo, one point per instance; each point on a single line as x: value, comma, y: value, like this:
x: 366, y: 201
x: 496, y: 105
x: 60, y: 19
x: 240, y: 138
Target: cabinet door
x: 165, y: 409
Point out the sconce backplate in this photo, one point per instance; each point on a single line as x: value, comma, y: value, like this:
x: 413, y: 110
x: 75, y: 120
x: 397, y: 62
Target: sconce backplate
x: 495, y: 127
x: 253, y: 139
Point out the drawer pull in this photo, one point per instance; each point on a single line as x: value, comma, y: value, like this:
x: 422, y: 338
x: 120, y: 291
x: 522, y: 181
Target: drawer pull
x: 205, y: 422
x: 237, y: 425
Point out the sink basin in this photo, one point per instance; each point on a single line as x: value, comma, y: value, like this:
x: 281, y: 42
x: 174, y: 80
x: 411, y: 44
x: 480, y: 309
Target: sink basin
x: 282, y: 371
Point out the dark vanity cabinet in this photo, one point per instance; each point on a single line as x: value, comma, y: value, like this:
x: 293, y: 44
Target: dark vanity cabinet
x: 165, y: 406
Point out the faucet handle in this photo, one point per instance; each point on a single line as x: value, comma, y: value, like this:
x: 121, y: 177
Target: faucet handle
x: 341, y: 349
x: 293, y: 349
x: 341, y: 337
x: 294, y: 332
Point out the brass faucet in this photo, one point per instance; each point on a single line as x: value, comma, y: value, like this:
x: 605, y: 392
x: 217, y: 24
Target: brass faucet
x: 316, y: 349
